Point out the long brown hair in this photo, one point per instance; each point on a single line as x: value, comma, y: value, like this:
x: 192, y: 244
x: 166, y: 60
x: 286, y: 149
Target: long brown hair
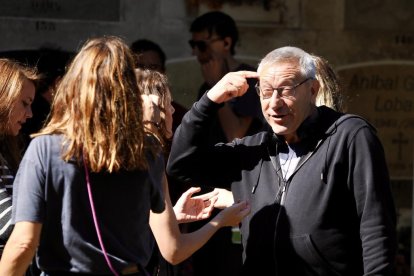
x: 12, y: 77
x: 97, y: 108
x: 152, y: 82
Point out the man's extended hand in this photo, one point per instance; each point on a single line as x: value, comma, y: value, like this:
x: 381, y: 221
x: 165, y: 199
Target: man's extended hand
x: 233, y: 84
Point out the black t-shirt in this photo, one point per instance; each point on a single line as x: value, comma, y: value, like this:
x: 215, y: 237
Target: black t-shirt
x: 247, y: 105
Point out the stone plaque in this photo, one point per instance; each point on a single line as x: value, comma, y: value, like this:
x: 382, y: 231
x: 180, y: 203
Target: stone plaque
x: 255, y: 12
x: 83, y: 10
x: 384, y: 94
x: 379, y: 14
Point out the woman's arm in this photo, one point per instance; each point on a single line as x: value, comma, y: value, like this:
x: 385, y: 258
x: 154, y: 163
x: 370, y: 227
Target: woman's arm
x: 20, y: 248
x: 176, y: 247
x: 5, y: 209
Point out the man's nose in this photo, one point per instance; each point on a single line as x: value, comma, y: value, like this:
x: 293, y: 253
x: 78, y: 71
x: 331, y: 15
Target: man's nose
x: 276, y: 99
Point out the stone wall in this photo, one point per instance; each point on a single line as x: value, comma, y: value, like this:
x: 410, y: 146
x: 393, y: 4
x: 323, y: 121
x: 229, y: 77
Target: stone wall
x: 370, y: 43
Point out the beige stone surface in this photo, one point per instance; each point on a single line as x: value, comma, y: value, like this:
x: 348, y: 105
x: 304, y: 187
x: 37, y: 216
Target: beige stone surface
x: 383, y: 93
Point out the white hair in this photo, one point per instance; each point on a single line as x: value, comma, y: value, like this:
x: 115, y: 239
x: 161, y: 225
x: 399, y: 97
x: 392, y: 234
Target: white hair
x: 288, y: 54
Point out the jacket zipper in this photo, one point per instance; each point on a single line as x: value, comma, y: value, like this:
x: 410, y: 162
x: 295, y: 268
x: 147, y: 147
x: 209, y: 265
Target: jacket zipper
x: 283, y: 196
x: 283, y: 189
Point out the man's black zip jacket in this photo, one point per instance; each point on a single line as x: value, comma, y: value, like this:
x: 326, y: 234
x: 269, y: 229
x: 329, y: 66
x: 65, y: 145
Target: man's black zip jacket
x: 337, y: 215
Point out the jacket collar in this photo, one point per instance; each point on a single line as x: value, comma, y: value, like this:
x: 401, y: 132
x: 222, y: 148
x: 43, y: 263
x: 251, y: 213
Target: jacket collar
x: 313, y: 128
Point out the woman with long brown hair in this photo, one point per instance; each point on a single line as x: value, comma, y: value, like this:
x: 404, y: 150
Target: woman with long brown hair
x: 92, y: 183
x: 17, y: 91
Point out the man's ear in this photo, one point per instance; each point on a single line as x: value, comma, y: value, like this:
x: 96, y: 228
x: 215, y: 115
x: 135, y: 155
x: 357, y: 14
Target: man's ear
x: 315, y: 90
x: 227, y: 42
x: 315, y: 87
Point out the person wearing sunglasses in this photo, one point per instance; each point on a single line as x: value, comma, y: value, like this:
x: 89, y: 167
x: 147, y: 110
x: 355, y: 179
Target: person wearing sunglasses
x: 214, y: 39
x: 214, y: 36
x: 317, y: 179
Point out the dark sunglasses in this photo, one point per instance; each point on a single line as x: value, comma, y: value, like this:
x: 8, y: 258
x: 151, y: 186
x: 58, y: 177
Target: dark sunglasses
x: 202, y: 44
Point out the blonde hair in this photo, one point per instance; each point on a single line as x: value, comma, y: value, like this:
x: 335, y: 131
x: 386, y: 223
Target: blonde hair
x: 152, y: 82
x: 12, y: 78
x: 97, y: 108
x: 330, y: 93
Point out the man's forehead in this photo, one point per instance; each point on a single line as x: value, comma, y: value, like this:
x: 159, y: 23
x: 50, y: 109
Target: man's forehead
x: 204, y: 34
x: 279, y: 69
x: 150, y: 55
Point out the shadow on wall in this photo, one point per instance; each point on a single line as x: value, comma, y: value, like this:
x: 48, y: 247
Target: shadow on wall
x: 185, y: 77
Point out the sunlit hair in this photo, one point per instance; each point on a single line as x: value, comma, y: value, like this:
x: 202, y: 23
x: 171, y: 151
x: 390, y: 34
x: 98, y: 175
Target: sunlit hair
x: 290, y: 54
x: 151, y: 82
x: 12, y: 77
x: 330, y: 93
x: 97, y: 108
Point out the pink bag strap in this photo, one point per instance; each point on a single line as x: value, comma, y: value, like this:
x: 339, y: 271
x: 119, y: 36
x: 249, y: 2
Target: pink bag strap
x: 95, y: 221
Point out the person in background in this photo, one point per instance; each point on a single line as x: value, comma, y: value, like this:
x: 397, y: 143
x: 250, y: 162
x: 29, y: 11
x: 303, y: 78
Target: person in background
x: 17, y: 92
x: 330, y: 92
x: 214, y: 39
x: 158, y: 120
x: 214, y: 36
x: 50, y: 64
x: 157, y: 105
x: 149, y: 55
x: 317, y: 181
x: 91, y: 185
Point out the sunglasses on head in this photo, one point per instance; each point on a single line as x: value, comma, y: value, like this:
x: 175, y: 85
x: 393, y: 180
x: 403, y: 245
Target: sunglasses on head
x: 202, y: 44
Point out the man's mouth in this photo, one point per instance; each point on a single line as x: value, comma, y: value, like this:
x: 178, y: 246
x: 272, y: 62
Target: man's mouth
x: 277, y: 116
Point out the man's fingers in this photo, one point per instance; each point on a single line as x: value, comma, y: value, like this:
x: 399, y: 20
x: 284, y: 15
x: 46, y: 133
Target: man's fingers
x: 213, y: 200
x: 248, y: 74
